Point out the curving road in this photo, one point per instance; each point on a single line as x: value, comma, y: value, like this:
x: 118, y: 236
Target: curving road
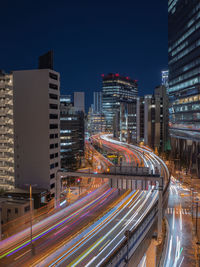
x: 97, y: 242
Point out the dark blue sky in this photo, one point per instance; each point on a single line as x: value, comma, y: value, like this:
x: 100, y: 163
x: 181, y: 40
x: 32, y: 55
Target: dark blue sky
x: 88, y: 38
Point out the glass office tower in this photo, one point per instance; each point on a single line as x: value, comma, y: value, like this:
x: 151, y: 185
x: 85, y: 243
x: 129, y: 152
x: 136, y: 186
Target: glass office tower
x: 184, y: 81
x: 116, y: 89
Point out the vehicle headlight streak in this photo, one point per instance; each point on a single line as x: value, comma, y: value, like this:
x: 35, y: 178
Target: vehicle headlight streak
x: 26, y: 243
x: 142, y: 200
x: 99, y: 226
x: 150, y: 160
x: 124, y: 228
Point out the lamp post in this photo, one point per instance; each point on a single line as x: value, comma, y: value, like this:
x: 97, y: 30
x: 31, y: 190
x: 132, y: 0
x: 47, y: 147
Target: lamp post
x: 0, y: 225
x: 191, y: 193
x: 57, y: 189
x: 196, y: 228
x: 31, y: 212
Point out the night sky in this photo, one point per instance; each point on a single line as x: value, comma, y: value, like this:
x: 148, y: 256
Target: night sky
x: 88, y: 38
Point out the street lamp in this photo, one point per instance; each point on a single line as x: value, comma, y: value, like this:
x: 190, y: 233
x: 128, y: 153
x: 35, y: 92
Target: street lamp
x: 57, y: 190
x: 0, y: 224
x: 196, y: 225
x: 31, y: 211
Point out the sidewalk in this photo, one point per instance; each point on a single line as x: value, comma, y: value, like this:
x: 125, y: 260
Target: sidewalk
x: 193, y: 187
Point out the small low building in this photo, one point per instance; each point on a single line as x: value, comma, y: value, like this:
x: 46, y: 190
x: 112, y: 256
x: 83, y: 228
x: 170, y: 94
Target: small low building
x: 12, y: 208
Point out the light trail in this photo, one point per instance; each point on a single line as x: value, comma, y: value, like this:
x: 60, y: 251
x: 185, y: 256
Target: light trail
x: 26, y: 243
x: 98, y: 226
x: 138, y: 202
x: 135, y: 207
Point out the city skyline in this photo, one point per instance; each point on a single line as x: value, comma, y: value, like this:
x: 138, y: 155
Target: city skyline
x: 118, y: 185
x: 88, y: 40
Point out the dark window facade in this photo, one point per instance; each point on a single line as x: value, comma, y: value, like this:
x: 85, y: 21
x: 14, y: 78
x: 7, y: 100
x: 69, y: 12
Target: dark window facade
x: 53, y: 86
x: 184, y: 65
x: 53, y: 126
x: 53, y: 116
x: 52, y: 185
x: 52, y: 166
x: 51, y: 156
x: 53, y: 76
x: 51, y: 146
x: 53, y: 106
x: 53, y: 96
x: 52, y: 176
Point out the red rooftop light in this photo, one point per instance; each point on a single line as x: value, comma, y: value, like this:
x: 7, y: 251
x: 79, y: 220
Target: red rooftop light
x: 127, y: 78
x: 117, y: 74
x: 102, y: 75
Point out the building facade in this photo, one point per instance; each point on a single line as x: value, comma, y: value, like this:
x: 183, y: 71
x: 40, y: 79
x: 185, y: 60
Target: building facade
x: 71, y: 134
x: 95, y: 122
x: 116, y: 89
x: 140, y: 119
x: 165, y: 78
x: 95, y: 117
x: 152, y: 120
x: 79, y: 101
x: 13, y: 208
x: 37, y: 128
x: 97, y: 102
x: 7, y: 177
x: 125, y: 123
x: 184, y: 82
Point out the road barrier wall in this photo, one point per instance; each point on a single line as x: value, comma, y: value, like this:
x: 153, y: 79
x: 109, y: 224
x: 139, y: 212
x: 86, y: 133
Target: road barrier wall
x: 119, y: 256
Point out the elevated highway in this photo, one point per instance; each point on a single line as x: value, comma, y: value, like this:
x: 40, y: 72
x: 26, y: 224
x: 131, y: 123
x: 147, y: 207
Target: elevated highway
x: 105, y: 244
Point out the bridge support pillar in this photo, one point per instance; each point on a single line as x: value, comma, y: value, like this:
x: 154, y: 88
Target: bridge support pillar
x: 160, y: 215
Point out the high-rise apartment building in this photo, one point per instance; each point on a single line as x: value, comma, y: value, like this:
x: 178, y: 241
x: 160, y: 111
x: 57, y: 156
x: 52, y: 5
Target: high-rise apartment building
x: 116, y: 89
x: 37, y: 127
x: 184, y: 81
x: 6, y: 132
x: 71, y: 134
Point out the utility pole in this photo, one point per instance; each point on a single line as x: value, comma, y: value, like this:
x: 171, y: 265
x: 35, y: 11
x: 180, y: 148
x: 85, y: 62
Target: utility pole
x: 0, y: 225
x: 192, y: 190
x: 197, y: 218
x: 31, y: 210
x: 160, y: 200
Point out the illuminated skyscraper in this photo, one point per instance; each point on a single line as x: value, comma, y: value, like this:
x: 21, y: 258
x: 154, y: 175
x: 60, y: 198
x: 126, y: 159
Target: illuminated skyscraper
x: 97, y: 102
x: 71, y: 134
x: 116, y: 89
x: 184, y: 81
x: 165, y: 78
